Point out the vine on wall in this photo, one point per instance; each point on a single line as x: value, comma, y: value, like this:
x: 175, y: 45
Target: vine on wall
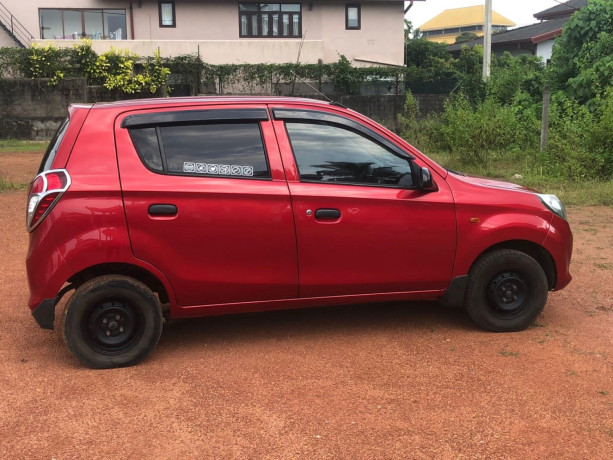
x: 130, y: 73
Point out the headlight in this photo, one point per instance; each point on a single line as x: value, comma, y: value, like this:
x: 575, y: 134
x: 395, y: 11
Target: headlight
x: 554, y: 204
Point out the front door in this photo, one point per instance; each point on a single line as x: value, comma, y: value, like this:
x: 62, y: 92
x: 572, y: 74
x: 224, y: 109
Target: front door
x: 360, y: 228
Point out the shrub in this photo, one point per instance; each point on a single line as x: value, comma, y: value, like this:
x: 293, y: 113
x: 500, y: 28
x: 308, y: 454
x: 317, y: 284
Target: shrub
x: 476, y: 133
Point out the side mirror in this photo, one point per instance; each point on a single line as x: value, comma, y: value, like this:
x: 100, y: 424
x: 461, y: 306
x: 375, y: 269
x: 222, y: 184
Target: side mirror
x: 424, y: 180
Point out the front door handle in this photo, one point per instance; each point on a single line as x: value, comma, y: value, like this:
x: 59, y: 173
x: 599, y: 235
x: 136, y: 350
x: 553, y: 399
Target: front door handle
x: 163, y: 210
x: 327, y: 213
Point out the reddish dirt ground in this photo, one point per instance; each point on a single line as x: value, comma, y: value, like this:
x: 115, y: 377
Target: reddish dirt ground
x: 373, y: 381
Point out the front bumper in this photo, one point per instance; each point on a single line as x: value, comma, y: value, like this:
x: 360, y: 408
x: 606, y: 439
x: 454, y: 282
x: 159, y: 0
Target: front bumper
x: 44, y: 313
x: 559, y: 243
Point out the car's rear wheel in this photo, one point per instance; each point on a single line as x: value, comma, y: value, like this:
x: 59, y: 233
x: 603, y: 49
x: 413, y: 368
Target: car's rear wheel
x: 507, y: 290
x: 112, y: 321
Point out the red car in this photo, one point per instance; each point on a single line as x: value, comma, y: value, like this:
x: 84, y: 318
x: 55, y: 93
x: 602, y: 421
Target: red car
x: 186, y: 207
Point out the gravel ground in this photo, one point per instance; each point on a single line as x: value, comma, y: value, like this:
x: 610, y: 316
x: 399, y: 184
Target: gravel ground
x: 403, y: 380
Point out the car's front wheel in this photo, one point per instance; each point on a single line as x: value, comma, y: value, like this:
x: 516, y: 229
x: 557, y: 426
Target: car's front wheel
x: 112, y: 321
x: 507, y: 290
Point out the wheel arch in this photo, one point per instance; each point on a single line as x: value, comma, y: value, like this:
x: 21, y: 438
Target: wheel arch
x: 117, y: 268
x: 534, y: 250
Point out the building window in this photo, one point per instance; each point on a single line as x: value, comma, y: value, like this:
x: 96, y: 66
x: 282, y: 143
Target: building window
x: 353, y: 16
x: 270, y: 20
x: 167, y: 14
x: 73, y: 24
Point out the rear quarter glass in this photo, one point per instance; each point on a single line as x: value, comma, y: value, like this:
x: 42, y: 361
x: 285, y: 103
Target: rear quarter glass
x: 53, y: 147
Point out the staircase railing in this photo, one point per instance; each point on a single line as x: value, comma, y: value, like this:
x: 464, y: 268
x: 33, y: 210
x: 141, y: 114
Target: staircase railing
x: 16, y: 28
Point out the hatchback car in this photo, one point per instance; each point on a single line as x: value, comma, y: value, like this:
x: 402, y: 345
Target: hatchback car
x: 185, y: 207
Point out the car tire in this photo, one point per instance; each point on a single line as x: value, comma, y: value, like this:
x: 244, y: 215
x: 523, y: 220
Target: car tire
x: 112, y: 321
x: 507, y: 290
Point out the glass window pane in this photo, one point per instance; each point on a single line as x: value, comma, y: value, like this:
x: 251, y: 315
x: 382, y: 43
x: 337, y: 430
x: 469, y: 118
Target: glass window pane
x: 296, y: 24
x: 248, y: 6
x: 244, y: 25
x: 93, y: 24
x: 352, y: 16
x: 115, y: 24
x: 285, y: 25
x: 290, y: 7
x: 146, y: 143
x: 51, y: 24
x: 275, y: 25
x: 72, y: 24
x: 215, y: 150
x: 265, y: 24
x: 166, y: 12
x: 270, y: 7
x: 254, y: 24
x: 331, y: 154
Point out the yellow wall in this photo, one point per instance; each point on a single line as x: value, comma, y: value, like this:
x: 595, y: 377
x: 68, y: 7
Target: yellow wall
x: 450, y: 38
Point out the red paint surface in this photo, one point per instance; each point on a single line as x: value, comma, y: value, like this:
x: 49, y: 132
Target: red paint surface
x: 241, y: 244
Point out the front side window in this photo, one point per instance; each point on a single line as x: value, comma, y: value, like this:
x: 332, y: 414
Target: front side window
x: 167, y: 14
x: 73, y: 24
x: 270, y: 20
x: 334, y: 154
x: 210, y: 149
x: 353, y: 19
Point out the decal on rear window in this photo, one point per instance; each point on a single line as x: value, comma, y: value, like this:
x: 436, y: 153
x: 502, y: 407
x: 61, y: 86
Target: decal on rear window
x: 224, y: 170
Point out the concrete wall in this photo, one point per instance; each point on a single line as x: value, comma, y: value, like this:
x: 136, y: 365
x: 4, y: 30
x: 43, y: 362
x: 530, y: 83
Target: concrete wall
x: 214, y: 26
x: 30, y: 109
x: 545, y: 49
x: 5, y: 39
x: 215, y: 52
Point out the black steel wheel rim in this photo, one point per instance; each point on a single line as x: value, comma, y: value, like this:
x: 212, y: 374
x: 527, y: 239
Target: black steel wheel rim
x: 508, y: 294
x: 113, y: 327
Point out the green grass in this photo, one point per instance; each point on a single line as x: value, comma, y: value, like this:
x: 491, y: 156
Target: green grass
x: 6, y: 185
x: 504, y: 352
x: 588, y: 193
x: 14, y: 145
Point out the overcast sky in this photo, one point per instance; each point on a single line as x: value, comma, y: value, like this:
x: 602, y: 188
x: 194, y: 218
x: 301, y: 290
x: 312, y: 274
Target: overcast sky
x: 518, y: 11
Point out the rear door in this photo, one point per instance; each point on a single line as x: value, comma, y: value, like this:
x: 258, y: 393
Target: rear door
x: 207, y: 203
x: 360, y: 227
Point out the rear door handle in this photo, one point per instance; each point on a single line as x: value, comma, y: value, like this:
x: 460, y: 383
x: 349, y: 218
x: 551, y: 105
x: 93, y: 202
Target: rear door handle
x: 163, y: 210
x: 327, y: 213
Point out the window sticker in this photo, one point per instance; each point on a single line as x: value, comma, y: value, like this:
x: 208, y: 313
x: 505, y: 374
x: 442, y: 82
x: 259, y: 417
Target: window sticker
x: 224, y: 170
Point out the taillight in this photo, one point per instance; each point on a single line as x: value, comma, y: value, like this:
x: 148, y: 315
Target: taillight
x: 46, y: 190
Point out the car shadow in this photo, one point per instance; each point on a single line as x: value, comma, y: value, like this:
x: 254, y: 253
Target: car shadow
x: 318, y: 322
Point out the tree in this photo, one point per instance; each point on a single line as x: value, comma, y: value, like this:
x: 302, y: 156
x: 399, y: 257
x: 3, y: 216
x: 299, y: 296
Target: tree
x: 466, y: 37
x: 582, y: 60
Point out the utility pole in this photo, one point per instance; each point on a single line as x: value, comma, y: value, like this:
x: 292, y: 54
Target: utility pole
x: 545, y: 118
x: 487, y: 40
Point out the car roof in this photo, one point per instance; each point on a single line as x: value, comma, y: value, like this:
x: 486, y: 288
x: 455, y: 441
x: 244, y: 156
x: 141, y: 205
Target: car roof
x: 199, y: 100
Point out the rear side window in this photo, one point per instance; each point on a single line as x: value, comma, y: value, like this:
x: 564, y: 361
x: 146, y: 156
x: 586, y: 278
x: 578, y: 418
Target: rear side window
x: 53, y: 147
x: 209, y: 149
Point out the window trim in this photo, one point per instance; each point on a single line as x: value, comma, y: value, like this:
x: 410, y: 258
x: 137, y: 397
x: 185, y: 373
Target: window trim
x: 153, y: 119
x: 174, y: 14
x: 300, y: 115
x: 259, y: 14
x: 359, y: 8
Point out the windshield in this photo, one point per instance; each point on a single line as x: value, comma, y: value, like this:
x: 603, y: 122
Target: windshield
x: 53, y: 147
